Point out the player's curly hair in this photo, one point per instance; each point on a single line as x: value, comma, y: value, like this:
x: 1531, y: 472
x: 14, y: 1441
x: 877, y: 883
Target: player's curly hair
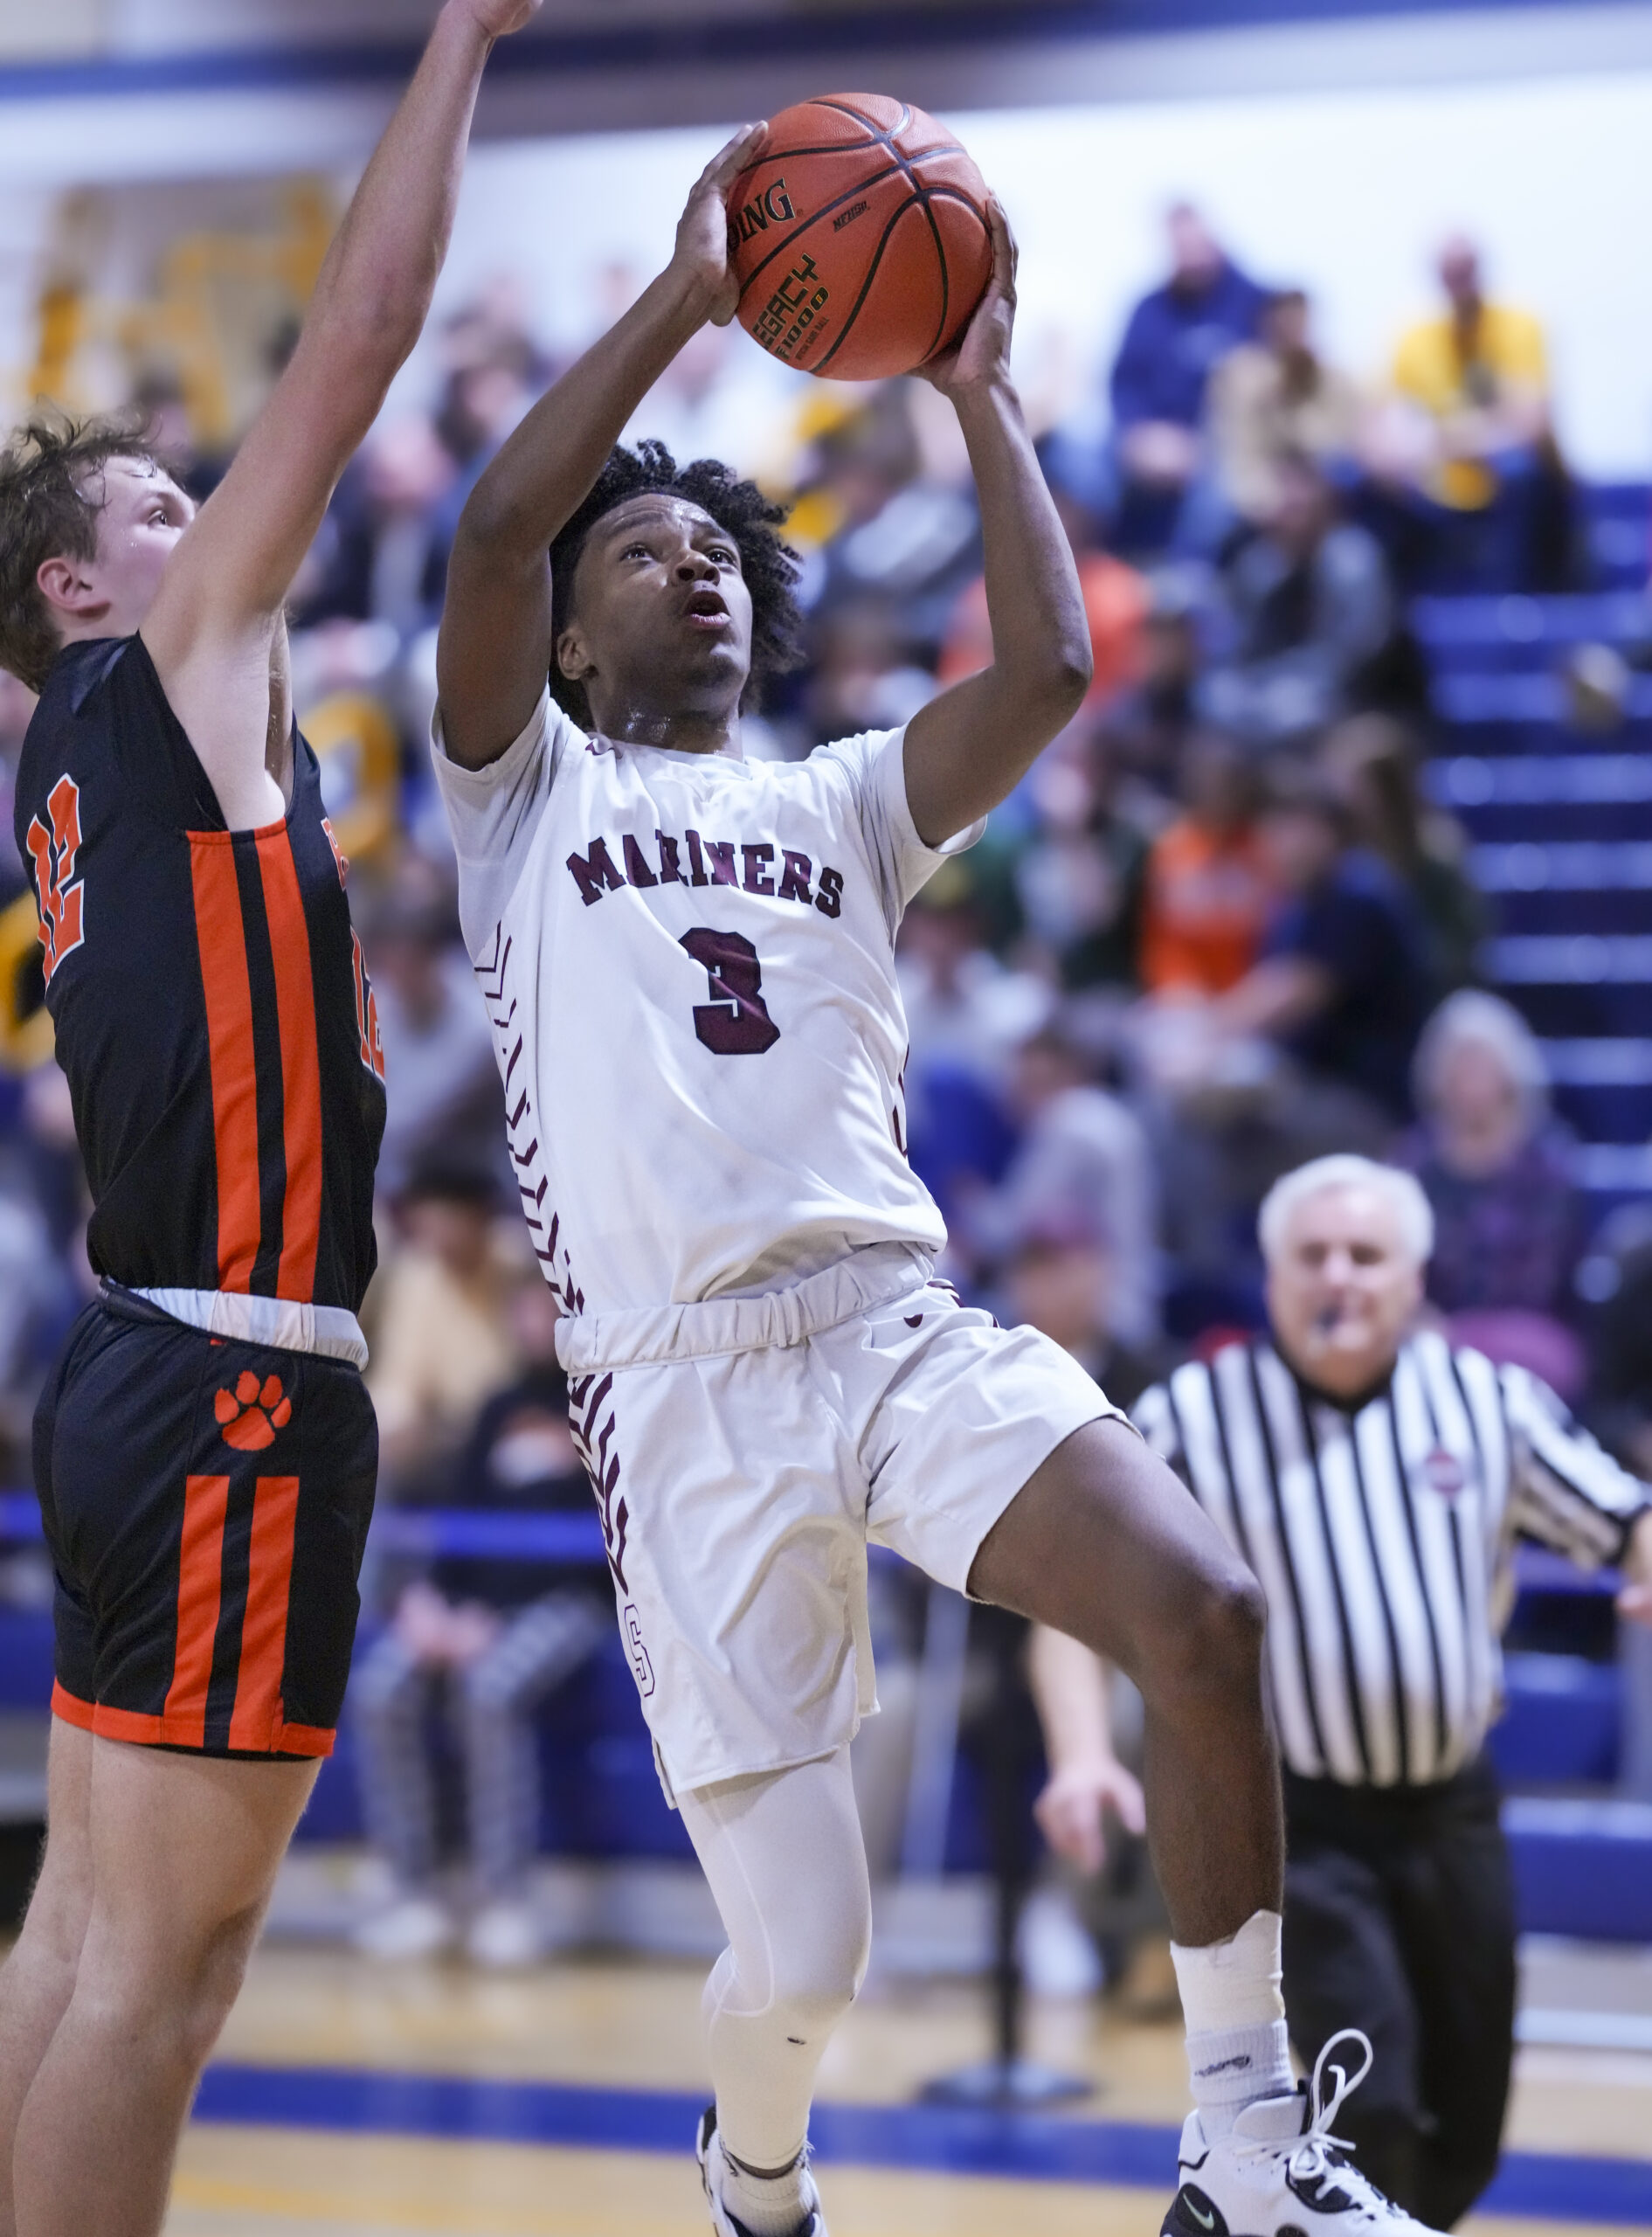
x: 770, y: 565
x: 49, y: 509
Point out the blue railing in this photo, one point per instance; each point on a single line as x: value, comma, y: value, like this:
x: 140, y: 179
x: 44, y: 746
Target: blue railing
x: 427, y: 1534
x: 431, y: 1534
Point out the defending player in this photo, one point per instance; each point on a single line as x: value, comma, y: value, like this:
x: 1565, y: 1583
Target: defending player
x: 205, y: 1450
x: 689, y: 961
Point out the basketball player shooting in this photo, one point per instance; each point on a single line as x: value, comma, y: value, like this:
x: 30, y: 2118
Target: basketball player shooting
x: 688, y: 961
x: 205, y: 1451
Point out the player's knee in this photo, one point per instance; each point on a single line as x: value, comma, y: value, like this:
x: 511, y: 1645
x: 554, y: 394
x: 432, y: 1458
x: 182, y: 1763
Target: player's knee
x: 1212, y: 1639
x: 812, y: 1997
x: 211, y: 1986
x: 816, y: 1982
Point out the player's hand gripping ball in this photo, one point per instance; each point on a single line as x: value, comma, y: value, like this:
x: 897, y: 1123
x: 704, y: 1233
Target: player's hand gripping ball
x: 859, y: 238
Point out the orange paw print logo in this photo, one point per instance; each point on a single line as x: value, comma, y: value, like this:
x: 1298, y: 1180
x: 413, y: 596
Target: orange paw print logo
x: 250, y: 1415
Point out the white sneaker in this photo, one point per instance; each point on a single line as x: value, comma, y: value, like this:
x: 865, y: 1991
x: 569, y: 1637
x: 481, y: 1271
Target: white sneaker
x: 505, y: 1936
x: 708, y: 2150
x: 1280, y: 2172
x: 417, y: 1926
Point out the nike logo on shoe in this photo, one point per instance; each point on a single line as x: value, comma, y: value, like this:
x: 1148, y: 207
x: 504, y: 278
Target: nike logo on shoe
x: 1194, y: 2214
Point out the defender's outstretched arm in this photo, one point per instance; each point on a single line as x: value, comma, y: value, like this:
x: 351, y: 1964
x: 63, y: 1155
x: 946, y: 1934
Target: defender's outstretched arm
x: 211, y: 627
x: 495, y: 648
x: 968, y: 748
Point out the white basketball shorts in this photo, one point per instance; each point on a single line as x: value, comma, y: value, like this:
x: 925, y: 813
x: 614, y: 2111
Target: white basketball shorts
x: 744, y: 1451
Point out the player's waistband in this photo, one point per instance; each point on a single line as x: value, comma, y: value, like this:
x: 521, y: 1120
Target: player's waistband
x: 877, y: 1275
x: 273, y: 1323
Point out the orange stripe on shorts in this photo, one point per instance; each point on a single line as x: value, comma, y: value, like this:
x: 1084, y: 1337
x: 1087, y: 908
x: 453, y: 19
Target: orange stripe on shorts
x: 256, y: 1721
x: 200, y: 1583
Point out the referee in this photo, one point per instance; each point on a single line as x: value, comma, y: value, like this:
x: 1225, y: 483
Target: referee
x: 1374, y: 1479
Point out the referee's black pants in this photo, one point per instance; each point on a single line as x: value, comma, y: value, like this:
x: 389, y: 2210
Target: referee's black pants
x: 1400, y: 1920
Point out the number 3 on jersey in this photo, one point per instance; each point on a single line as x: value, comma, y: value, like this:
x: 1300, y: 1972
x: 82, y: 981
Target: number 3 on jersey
x: 735, y: 1021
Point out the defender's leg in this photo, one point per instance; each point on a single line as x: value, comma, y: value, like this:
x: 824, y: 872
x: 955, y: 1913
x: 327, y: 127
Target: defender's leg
x: 38, y: 1979
x: 184, y: 1854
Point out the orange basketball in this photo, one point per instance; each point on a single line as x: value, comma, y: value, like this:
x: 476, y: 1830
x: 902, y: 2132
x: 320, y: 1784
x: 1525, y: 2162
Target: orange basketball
x: 859, y: 238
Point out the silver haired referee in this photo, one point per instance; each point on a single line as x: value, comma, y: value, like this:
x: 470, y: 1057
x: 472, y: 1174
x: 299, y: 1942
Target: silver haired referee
x: 1374, y: 1479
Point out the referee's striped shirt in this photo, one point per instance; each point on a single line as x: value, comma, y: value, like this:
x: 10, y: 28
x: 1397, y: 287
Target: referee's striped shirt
x: 1381, y: 1537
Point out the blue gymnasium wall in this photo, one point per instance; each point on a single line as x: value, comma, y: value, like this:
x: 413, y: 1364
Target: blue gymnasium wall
x: 711, y: 38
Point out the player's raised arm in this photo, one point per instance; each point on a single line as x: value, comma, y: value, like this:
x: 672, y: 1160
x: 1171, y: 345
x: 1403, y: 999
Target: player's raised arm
x: 495, y: 647
x: 210, y: 626
x: 967, y: 749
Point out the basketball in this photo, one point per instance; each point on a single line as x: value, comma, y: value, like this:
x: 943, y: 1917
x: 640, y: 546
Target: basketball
x: 859, y: 238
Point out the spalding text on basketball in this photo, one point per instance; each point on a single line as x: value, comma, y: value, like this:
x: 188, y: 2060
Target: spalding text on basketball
x: 753, y: 217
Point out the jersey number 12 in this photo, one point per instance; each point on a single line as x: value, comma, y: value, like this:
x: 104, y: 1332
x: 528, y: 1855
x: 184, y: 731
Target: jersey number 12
x: 735, y: 1021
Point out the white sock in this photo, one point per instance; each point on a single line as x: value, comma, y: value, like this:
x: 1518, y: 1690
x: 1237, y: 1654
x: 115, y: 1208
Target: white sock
x: 769, y: 2206
x: 1237, y: 2047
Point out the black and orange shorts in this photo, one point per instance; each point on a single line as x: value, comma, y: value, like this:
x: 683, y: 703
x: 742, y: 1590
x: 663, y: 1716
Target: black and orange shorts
x: 206, y: 1505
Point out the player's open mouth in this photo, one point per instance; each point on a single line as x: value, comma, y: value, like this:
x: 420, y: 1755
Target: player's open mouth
x: 705, y: 610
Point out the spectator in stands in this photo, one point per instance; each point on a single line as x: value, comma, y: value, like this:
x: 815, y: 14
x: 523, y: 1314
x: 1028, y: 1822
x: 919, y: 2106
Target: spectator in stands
x: 1496, y: 1165
x: 38, y: 1301
x: 966, y: 1011
x: 1308, y: 607
x: 1274, y: 399
x: 16, y: 707
x: 895, y: 534
x: 1209, y: 893
x: 381, y: 555
x: 1148, y: 726
x: 1309, y: 1053
x: 1116, y: 599
x: 1080, y: 877
x: 1470, y: 436
x: 1617, y: 1276
x: 438, y: 1045
x: 1371, y: 761
x: 495, y: 1632
x: 1340, y: 983
x: 442, y: 1339
x: 1082, y: 1152
x: 1175, y: 337
x: 1060, y: 1277
x: 493, y: 372
x: 863, y: 674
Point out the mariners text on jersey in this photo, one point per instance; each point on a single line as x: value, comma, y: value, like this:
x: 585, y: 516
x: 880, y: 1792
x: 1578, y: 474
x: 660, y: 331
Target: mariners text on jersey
x: 688, y: 962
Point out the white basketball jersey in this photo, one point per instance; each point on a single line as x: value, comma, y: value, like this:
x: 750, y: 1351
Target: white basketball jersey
x: 689, y: 964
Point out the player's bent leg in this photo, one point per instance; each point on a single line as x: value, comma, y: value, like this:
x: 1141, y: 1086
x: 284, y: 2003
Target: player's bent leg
x: 784, y: 1856
x: 185, y: 1849
x: 38, y: 1979
x: 1103, y: 1542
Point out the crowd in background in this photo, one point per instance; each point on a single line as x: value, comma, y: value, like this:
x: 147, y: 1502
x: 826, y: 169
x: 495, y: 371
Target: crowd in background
x: 1219, y: 929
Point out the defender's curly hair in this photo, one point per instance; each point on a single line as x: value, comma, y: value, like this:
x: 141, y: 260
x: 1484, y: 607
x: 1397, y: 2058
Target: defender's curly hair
x: 49, y: 509
x: 752, y: 522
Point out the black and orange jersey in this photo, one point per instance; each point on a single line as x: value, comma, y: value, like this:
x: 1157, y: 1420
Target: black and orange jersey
x: 212, y: 1013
